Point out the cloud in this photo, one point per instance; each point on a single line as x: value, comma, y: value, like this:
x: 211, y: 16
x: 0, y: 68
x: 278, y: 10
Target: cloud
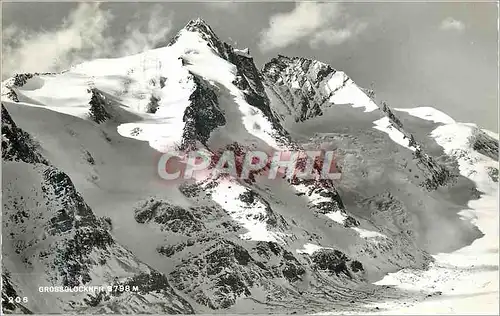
x: 319, y: 22
x: 80, y: 36
x: 143, y: 37
x: 336, y: 36
x: 452, y: 24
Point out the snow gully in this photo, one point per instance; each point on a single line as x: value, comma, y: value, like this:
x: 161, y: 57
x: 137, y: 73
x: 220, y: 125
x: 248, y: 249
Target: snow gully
x: 202, y: 164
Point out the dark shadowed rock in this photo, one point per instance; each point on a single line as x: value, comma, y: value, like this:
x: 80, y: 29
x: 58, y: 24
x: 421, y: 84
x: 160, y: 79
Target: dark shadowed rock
x: 202, y: 116
x: 97, y: 111
x: 485, y: 144
x: 168, y: 216
x: 17, y: 145
x: 334, y: 261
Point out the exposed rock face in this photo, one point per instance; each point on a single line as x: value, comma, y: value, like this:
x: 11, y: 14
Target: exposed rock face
x: 485, y: 144
x: 21, y: 79
x: 436, y: 174
x: 153, y: 105
x: 77, y: 219
x: 334, y: 261
x: 11, y: 94
x: 272, y: 220
x: 249, y: 80
x: 281, y: 262
x: 301, y: 83
x: 17, y: 145
x: 97, y: 111
x: 330, y: 198
x: 169, y: 217
x: 217, y: 276
x: 493, y: 173
x: 225, y: 271
x: 202, y: 116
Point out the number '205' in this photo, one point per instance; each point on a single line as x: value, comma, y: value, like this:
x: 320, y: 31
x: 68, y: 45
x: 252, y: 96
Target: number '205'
x: 17, y: 299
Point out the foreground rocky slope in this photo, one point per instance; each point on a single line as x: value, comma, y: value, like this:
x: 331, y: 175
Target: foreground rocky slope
x: 284, y: 245
x: 51, y: 238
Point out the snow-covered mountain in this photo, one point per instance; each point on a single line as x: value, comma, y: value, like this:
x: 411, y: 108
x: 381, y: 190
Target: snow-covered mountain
x: 83, y: 203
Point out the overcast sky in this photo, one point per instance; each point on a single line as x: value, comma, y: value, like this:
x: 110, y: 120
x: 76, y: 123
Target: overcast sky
x: 414, y: 54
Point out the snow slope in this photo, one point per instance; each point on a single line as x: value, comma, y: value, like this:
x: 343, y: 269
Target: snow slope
x: 465, y: 281
x: 429, y: 113
x: 349, y: 93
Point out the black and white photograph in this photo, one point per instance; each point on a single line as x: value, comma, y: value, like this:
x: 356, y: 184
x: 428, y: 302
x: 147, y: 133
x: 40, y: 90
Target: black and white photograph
x: 250, y: 157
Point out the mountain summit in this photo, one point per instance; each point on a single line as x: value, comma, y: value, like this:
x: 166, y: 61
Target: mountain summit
x: 205, y: 32
x: 199, y: 25
x: 83, y: 204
